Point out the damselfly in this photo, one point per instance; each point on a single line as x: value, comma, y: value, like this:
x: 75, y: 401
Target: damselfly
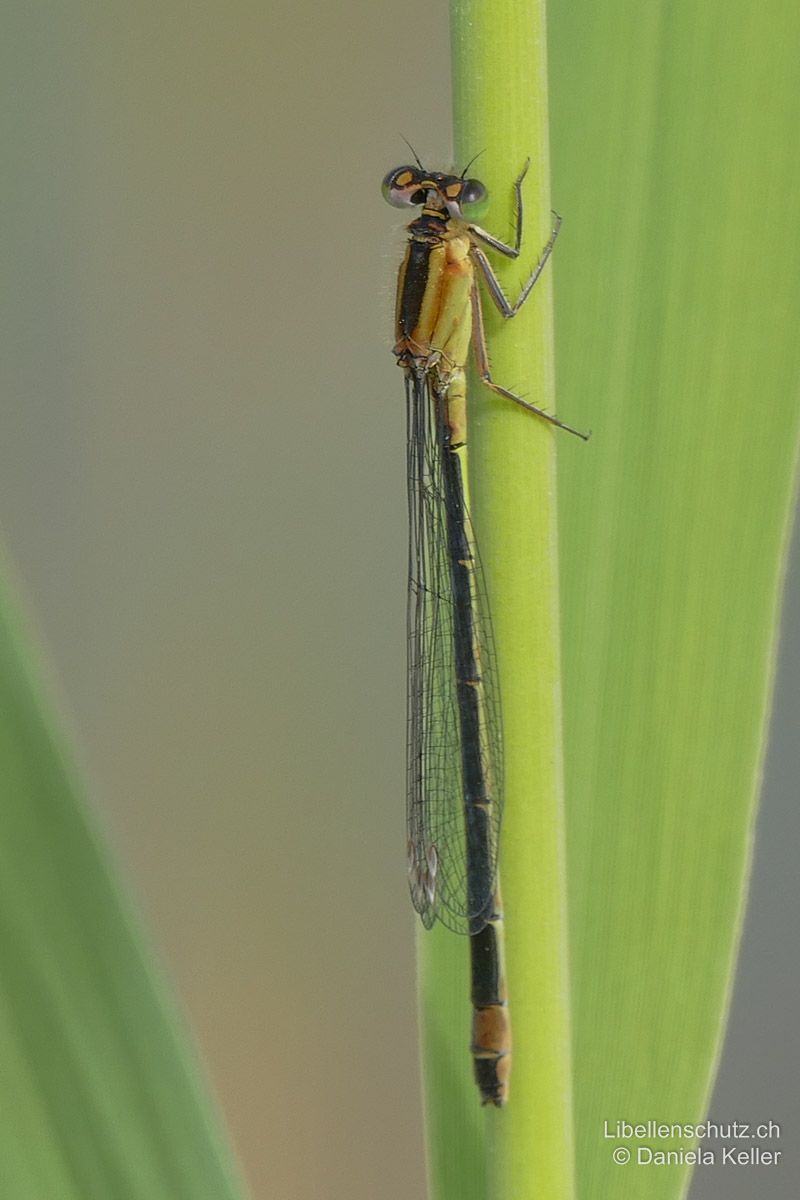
x: 455, y: 761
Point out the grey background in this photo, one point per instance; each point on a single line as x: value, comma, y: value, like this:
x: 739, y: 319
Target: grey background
x: 758, y: 1074
x: 201, y: 485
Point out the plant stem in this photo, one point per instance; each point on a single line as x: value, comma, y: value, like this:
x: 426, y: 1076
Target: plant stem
x: 500, y: 107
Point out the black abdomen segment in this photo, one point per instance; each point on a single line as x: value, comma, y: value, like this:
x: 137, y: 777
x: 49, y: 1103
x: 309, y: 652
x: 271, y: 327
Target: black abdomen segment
x: 491, y: 1034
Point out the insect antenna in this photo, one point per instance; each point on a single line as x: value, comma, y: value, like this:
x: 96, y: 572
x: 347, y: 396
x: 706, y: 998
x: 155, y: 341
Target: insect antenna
x: 413, y: 151
x: 471, y: 161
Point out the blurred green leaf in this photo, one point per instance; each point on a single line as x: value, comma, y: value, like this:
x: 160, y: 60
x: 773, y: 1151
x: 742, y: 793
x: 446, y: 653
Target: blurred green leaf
x: 100, y: 1096
x: 673, y: 133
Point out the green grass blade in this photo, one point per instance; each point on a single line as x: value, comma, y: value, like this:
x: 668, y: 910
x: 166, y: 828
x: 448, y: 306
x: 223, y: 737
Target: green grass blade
x: 500, y: 107
x: 674, y: 141
x: 100, y: 1096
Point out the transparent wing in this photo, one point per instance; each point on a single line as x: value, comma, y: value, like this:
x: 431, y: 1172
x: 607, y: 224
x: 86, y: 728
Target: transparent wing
x: 439, y: 856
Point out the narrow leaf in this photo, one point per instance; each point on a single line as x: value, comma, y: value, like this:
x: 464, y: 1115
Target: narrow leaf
x: 677, y: 289
x: 101, y: 1097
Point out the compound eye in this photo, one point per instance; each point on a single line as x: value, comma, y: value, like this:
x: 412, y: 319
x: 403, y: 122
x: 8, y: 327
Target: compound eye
x: 401, y: 188
x: 473, y: 192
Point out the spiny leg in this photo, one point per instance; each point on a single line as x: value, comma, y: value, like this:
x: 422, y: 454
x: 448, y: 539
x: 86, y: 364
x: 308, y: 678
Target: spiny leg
x: 489, y: 239
x: 508, y: 309
x: 482, y: 364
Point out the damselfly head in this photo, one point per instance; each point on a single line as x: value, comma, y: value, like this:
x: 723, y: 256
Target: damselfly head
x: 410, y: 187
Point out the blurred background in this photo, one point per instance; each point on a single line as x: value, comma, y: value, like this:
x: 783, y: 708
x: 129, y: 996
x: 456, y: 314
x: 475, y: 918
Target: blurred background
x: 202, y: 492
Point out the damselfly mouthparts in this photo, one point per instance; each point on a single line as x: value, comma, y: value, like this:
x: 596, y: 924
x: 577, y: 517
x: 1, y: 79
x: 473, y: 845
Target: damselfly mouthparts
x: 455, y: 761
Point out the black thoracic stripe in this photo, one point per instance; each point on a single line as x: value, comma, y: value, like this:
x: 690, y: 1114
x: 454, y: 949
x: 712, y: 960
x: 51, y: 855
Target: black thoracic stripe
x: 414, y: 284
x: 426, y: 232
